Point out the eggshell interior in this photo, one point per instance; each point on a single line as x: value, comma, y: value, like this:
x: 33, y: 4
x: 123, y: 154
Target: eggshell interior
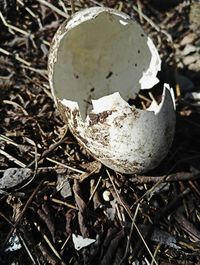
x: 101, y: 51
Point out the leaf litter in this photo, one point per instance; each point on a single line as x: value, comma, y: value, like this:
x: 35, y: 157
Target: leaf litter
x: 52, y: 190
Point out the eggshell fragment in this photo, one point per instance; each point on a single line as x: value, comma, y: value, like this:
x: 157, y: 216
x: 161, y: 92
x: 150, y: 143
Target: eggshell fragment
x: 98, y: 60
x: 122, y: 137
x: 80, y: 242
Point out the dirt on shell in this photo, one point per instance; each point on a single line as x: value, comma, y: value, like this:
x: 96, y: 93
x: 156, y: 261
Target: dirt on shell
x: 99, y: 118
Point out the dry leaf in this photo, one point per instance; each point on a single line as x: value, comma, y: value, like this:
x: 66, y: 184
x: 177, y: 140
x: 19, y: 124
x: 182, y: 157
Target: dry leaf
x: 14, y: 176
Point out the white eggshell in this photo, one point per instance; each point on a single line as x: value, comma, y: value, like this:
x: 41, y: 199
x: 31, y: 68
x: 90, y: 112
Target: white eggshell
x: 80, y: 242
x: 98, y: 60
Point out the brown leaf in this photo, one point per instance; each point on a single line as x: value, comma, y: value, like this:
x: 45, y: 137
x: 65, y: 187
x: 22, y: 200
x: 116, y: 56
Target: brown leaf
x: 70, y: 216
x: 188, y: 227
x: 46, y: 216
x: 113, y: 249
x: 82, y: 209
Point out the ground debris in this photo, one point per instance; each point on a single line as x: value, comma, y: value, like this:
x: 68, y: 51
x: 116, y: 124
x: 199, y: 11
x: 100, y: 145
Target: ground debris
x: 14, y: 176
x: 52, y: 190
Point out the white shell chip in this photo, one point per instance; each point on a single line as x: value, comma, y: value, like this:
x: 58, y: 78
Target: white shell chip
x: 80, y: 242
x: 99, y: 59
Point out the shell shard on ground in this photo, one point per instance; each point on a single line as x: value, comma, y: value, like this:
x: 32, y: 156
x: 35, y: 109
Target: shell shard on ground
x: 99, y: 59
x: 80, y: 242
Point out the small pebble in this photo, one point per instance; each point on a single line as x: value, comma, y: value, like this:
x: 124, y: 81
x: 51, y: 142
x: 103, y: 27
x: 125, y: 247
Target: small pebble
x: 107, y: 196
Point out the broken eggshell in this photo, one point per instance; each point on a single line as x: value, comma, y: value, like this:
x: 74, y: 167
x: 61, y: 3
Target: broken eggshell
x: 99, y: 59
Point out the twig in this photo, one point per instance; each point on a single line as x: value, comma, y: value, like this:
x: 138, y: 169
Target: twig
x: 8, y: 140
x: 72, y: 6
x: 139, y: 10
x: 95, y: 189
x: 9, y: 102
x: 13, y: 27
x: 121, y: 5
x: 6, y: 218
x: 119, y: 198
x: 41, y: 157
x: 27, y: 248
x: 162, y: 179
x: 28, y: 9
x: 42, y: 72
x: 46, y: 152
x: 49, y: 242
x: 63, y: 203
x: 65, y: 166
x: 29, y: 201
x: 17, y: 57
x: 96, y: 3
x: 145, y: 244
x: 61, y: 3
x: 153, y: 25
x: 130, y: 215
x: 130, y: 235
x: 171, y: 206
x: 12, y: 158
x: 55, y: 9
x: 179, y: 176
x: 51, y: 148
x: 155, y: 253
x: 36, y: 164
x: 193, y: 187
x: 45, y: 170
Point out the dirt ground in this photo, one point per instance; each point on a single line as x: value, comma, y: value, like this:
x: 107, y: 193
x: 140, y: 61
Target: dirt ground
x: 52, y: 191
